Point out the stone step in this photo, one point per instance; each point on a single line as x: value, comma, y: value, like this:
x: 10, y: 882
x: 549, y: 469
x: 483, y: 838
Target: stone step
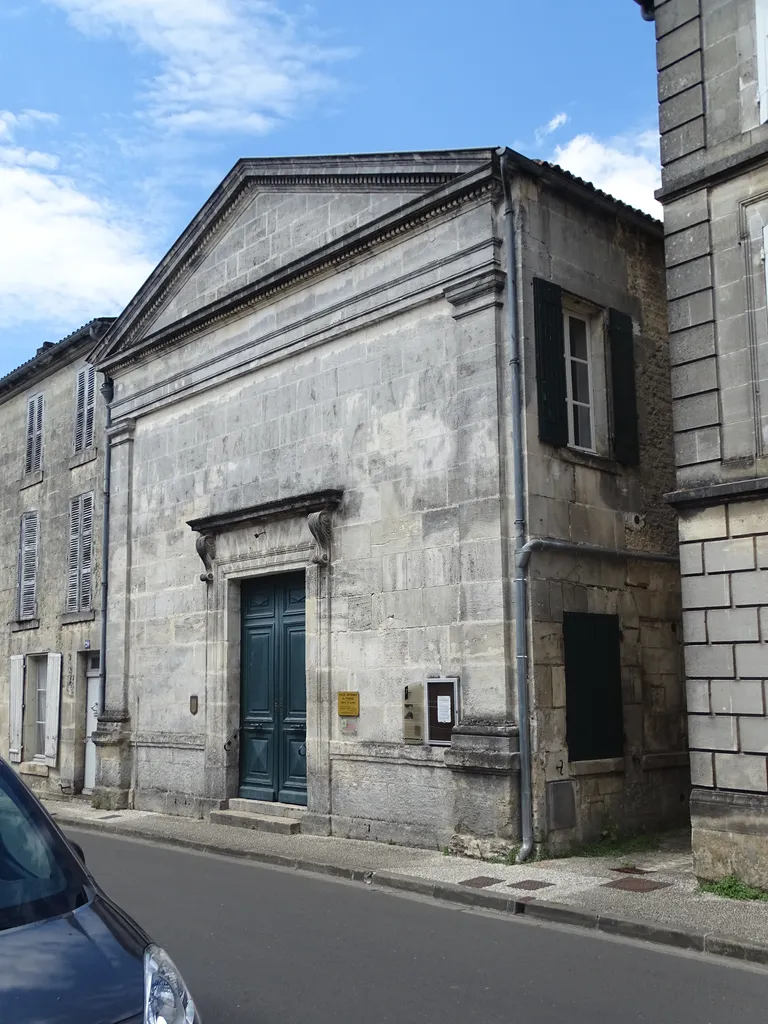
x: 258, y: 822
x: 266, y: 808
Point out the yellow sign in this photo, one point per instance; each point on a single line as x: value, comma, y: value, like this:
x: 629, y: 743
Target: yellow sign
x: 349, y: 703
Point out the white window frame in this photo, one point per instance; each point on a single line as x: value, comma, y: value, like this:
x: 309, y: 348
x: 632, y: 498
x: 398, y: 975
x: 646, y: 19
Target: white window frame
x: 578, y: 312
x: 23, y: 703
x: 34, y: 425
x: 761, y: 41
x: 85, y: 404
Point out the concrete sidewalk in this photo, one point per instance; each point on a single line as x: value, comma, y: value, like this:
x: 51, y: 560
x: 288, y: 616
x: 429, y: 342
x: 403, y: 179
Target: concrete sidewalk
x: 651, y: 896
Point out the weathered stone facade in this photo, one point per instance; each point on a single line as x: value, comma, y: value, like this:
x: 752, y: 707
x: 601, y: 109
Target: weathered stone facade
x: 55, y: 627
x: 714, y: 149
x: 328, y: 338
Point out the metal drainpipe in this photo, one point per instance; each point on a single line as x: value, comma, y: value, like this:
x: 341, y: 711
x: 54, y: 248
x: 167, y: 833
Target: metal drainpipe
x: 518, y: 475
x: 108, y: 391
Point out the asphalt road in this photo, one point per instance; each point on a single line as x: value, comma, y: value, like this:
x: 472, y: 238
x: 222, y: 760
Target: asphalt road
x: 258, y: 945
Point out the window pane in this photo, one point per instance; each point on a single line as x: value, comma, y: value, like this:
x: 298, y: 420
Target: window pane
x: 577, y: 330
x: 582, y: 426
x: 41, y: 704
x: 580, y: 382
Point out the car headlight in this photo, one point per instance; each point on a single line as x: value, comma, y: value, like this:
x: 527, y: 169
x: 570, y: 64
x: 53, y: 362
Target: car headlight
x: 166, y: 997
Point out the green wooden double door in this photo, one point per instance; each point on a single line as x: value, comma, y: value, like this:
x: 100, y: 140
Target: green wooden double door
x: 273, y: 703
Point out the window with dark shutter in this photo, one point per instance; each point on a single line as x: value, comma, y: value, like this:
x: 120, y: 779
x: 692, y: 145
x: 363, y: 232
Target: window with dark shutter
x: 33, y: 461
x: 80, y: 558
x: 593, y: 702
x: 626, y: 442
x: 84, y: 408
x: 30, y: 535
x: 550, y: 362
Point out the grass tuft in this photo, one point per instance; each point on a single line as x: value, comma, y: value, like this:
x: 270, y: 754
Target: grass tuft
x: 734, y: 889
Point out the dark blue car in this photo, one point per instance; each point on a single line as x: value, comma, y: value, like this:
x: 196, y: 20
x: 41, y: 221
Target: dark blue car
x: 68, y: 954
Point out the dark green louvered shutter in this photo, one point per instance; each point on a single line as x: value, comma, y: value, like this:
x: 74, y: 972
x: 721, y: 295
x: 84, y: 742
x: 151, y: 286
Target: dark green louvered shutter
x: 550, y: 362
x: 626, y: 443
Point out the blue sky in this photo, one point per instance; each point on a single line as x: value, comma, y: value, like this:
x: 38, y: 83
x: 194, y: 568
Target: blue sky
x: 119, y: 117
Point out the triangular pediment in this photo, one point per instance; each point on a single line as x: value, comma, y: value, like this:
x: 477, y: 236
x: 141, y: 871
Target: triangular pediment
x: 268, y: 215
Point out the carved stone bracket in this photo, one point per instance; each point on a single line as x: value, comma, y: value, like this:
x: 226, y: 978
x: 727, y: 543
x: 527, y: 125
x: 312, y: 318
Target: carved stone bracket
x: 320, y: 527
x: 205, y: 545
x: 479, y: 292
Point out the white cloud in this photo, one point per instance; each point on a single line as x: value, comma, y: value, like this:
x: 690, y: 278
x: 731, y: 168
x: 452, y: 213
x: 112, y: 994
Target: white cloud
x: 225, y: 65
x: 66, y: 256
x: 627, y: 167
x: 551, y: 126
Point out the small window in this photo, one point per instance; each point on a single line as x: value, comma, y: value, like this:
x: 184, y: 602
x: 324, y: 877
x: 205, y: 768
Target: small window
x: 35, y: 697
x: 585, y: 375
x: 28, y: 557
x: 84, y: 408
x: 593, y: 703
x: 578, y: 381
x: 33, y: 459
x: 80, y: 559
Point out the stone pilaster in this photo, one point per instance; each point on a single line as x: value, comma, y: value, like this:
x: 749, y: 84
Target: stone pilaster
x: 114, y: 757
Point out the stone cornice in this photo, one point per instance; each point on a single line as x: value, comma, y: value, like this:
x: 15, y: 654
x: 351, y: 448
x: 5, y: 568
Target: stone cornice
x: 753, y: 489
x: 300, y: 505
x: 424, y: 208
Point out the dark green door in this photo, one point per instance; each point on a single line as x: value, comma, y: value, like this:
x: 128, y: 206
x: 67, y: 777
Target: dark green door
x: 273, y: 704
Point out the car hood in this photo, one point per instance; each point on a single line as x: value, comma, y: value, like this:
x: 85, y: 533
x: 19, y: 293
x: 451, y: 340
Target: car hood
x: 87, y: 966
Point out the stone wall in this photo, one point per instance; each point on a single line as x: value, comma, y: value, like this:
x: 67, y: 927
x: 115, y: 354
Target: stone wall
x: 64, y: 476
x: 593, y: 499
x: 715, y: 153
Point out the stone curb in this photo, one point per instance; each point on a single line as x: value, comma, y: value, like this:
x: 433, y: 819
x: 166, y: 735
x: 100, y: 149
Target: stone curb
x: 537, y: 910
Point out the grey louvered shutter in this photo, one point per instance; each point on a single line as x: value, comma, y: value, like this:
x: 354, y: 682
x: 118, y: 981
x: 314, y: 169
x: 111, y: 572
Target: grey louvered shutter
x: 90, y: 398
x: 73, y: 558
x: 52, y: 708
x: 86, y: 549
x: 550, y: 362
x: 15, y: 707
x: 37, y: 458
x: 626, y: 441
x: 80, y: 410
x: 30, y: 533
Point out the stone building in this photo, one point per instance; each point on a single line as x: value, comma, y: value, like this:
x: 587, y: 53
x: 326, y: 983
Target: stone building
x: 713, y: 93
x: 323, y: 398
x: 51, y: 489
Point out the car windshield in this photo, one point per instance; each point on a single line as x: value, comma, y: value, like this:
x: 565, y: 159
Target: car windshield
x: 39, y: 876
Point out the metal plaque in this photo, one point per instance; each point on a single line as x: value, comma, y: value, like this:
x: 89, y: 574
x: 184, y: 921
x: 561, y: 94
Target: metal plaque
x: 349, y: 703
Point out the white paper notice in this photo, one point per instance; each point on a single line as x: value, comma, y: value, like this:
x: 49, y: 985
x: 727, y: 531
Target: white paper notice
x: 443, y: 709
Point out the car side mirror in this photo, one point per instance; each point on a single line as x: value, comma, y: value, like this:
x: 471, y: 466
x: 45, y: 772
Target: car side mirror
x: 78, y: 850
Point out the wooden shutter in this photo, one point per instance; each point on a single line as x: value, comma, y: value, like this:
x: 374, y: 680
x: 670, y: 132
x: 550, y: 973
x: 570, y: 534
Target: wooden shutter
x: 626, y: 442
x: 30, y: 451
x: 550, y: 362
x: 90, y: 398
x: 593, y: 703
x: 73, y: 557
x: 80, y: 410
x: 33, y: 460
x: 52, y: 704
x: 30, y: 532
x: 84, y: 408
x: 86, y: 550
x: 16, y: 706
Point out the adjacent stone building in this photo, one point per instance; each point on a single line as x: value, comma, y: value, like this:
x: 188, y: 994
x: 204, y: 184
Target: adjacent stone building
x: 51, y: 486
x: 315, y: 534
x: 713, y: 94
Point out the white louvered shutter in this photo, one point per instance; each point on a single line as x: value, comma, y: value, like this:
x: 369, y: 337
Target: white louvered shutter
x: 30, y: 533
x: 52, y: 704
x: 86, y: 549
x: 73, y: 558
x: 16, y: 706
